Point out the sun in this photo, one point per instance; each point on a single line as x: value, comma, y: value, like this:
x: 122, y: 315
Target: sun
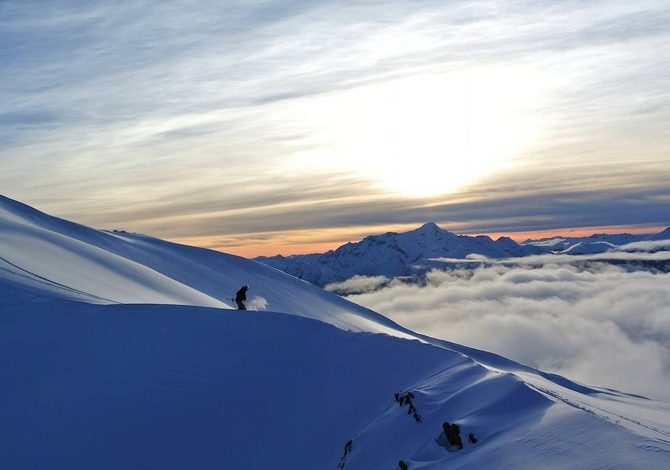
x: 426, y: 135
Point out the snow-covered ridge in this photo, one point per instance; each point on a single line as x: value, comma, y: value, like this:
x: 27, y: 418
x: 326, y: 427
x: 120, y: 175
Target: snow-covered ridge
x: 394, y: 254
x: 120, y: 351
x: 596, y: 243
x: 413, y: 253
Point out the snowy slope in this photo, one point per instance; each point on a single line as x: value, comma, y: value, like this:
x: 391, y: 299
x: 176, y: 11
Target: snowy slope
x: 77, y: 262
x: 394, y: 254
x: 119, y: 351
x: 147, y: 386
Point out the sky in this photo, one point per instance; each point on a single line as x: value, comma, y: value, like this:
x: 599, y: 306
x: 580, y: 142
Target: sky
x: 578, y: 316
x: 259, y: 127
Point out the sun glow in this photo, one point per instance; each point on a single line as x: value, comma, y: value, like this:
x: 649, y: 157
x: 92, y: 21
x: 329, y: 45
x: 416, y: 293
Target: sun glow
x: 425, y: 135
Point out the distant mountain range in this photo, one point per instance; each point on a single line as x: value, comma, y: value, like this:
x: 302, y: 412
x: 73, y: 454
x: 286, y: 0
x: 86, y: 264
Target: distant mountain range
x: 596, y: 243
x: 413, y: 253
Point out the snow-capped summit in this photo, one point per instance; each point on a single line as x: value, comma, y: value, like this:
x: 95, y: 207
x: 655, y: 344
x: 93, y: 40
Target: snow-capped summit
x: 121, y: 351
x: 393, y: 254
x: 428, y: 227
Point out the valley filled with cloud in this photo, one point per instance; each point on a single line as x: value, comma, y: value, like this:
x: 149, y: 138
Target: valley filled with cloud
x: 600, y: 319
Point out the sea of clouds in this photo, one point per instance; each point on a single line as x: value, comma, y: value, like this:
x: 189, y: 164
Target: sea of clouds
x: 584, y: 317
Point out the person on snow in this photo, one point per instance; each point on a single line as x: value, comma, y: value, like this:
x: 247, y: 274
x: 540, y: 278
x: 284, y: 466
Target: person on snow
x: 241, y: 297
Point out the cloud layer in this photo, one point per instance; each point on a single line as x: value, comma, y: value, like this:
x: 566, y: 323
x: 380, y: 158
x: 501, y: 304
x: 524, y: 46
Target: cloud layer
x: 358, y: 284
x: 596, y: 323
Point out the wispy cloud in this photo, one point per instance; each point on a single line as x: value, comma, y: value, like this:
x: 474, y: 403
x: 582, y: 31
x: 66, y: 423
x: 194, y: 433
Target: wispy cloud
x: 174, y: 111
x: 647, y: 246
x: 358, y: 284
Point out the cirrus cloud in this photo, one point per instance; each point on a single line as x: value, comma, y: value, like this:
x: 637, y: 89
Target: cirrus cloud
x: 195, y: 120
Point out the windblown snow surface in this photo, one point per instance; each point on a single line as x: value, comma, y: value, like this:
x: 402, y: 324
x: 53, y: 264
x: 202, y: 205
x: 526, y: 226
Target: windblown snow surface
x: 119, y: 350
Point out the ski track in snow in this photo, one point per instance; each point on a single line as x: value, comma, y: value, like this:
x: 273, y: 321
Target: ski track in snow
x: 36, y: 277
x: 619, y: 419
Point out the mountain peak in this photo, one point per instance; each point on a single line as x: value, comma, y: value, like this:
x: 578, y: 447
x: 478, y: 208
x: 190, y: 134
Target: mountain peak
x: 429, y: 227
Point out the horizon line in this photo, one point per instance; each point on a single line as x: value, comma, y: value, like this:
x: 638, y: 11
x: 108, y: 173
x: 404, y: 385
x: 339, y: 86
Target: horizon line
x: 298, y: 242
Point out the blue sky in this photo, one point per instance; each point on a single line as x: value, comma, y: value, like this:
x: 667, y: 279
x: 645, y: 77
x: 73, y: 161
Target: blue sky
x: 285, y: 126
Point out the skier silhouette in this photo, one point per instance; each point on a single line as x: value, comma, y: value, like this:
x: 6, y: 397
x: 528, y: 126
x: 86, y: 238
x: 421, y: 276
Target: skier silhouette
x: 241, y: 297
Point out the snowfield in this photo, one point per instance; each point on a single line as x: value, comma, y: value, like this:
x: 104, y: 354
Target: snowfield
x: 121, y: 351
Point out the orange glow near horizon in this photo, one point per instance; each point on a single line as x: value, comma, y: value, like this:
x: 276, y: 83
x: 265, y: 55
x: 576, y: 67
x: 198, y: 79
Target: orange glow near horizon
x: 293, y: 242
x: 321, y: 240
